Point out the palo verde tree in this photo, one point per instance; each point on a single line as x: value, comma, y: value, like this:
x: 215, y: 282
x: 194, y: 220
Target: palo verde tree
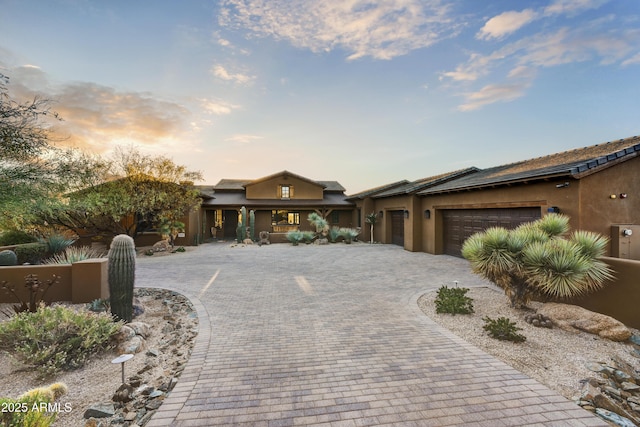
x: 136, y: 193
x: 371, y: 219
x: 539, y: 258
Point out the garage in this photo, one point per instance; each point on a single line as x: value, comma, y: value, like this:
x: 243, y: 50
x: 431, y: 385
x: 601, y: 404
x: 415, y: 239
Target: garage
x: 397, y: 228
x: 459, y: 224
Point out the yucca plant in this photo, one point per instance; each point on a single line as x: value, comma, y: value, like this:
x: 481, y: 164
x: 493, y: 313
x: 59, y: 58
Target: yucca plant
x: 294, y: 236
x: 57, y: 243
x: 74, y: 254
x: 536, y: 259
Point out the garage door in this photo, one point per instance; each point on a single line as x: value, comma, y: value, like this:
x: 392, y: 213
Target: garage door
x: 397, y: 228
x: 459, y: 224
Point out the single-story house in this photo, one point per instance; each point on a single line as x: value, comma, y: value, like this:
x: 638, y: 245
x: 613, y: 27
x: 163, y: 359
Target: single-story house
x: 596, y: 186
x: 281, y: 202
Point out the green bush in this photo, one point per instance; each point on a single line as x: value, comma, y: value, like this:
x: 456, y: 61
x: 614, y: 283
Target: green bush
x: 16, y: 237
x: 503, y: 329
x: 453, y: 301
x: 31, y: 253
x: 57, y: 338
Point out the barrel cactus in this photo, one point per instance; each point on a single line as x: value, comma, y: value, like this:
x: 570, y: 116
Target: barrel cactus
x: 122, y: 266
x: 8, y: 258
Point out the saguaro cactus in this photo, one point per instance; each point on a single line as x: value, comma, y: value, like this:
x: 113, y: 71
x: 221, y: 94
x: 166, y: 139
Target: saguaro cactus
x: 122, y: 266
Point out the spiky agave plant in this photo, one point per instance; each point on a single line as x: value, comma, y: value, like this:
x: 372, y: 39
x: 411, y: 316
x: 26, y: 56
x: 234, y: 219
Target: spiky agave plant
x: 535, y: 258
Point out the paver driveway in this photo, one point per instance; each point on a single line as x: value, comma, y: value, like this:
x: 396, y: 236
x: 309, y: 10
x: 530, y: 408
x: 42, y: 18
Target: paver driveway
x: 332, y: 335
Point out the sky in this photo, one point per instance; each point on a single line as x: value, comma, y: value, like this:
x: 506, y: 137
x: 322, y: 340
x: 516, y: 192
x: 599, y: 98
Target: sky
x: 358, y: 91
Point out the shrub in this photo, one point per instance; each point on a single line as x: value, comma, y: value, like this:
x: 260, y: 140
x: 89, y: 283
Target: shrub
x: 308, y: 236
x: 74, y: 254
x: 295, y: 237
x: 180, y: 249
x: 25, y: 410
x: 348, y: 234
x: 503, y: 329
x: 31, y: 253
x: 8, y: 258
x: 334, y: 233
x: 37, y: 291
x: 57, y: 243
x: 57, y: 338
x: 453, y: 301
x: 16, y: 237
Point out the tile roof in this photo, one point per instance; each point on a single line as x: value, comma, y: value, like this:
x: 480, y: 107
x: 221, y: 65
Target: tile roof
x: 570, y: 164
x: 424, y: 183
x: 368, y: 193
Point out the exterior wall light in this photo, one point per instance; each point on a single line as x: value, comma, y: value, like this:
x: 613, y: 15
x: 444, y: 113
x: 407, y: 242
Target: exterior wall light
x: 627, y: 232
x: 623, y: 195
x: 613, y: 196
x: 553, y: 209
x: 406, y: 213
x: 427, y: 214
x: 381, y: 214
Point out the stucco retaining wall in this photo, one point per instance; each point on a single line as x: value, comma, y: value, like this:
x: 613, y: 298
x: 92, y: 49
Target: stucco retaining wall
x: 79, y: 283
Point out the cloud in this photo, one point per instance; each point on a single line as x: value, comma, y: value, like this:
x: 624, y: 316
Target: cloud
x: 95, y: 116
x: 218, y: 106
x: 572, y: 7
x: 518, y: 81
x: 222, y: 73
x: 381, y: 30
x: 505, y: 23
x: 602, y: 41
x: 243, y: 138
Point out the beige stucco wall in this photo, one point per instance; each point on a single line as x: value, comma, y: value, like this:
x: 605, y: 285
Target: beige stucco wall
x: 81, y: 282
x: 268, y: 189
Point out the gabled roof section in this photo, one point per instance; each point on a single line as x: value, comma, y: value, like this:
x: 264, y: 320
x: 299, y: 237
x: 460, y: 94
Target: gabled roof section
x: 285, y: 173
x: 370, y: 192
x: 424, y: 183
x: 332, y: 186
x: 567, y: 164
x: 231, y: 184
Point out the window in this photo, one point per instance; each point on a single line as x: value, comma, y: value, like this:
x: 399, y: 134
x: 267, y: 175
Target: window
x: 335, y: 217
x: 284, y: 217
x: 286, y: 191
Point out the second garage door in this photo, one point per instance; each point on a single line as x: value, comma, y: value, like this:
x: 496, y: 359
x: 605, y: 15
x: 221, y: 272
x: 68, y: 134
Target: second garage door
x: 459, y: 224
x: 397, y: 228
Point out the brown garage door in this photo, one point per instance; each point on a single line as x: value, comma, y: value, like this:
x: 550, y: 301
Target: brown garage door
x: 459, y: 224
x: 397, y: 228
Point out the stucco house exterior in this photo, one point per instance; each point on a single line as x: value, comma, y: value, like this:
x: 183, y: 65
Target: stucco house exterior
x: 598, y: 187
x: 281, y: 202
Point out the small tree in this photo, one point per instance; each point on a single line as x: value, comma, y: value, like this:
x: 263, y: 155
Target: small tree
x: 371, y: 219
x: 169, y: 229
x: 536, y: 259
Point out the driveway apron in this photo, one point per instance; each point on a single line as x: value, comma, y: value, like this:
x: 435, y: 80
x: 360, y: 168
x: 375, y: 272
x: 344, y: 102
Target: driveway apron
x: 332, y: 335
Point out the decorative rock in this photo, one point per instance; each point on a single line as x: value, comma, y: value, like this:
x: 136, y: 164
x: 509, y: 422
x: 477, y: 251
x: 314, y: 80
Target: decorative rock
x: 153, y: 352
x: 161, y: 246
x: 153, y: 404
x: 140, y: 328
x: 614, y: 418
x: 134, y: 345
x: 100, y: 410
x: 155, y: 393
x: 124, y: 393
x: 125, y: 333
x: 627, y: 386
x: 568, y: 316
x: 130, y: 416
x: 635, y: 339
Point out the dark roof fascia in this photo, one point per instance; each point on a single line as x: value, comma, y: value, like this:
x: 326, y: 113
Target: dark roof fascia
x: 370, y: 192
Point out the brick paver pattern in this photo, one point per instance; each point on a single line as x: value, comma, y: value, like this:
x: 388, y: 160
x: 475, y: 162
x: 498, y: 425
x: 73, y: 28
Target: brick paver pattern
x: 332, y: 335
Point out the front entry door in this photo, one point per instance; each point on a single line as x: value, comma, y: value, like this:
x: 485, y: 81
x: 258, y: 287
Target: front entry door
x: 229, y: 224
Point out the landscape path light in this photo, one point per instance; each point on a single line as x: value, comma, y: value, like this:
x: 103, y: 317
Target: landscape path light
x: 121, y: 359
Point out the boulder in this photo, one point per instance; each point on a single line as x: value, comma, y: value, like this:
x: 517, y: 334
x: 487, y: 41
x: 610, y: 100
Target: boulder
x: 570, y: 317
x: 161, y: 246
x: 100, y: 410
